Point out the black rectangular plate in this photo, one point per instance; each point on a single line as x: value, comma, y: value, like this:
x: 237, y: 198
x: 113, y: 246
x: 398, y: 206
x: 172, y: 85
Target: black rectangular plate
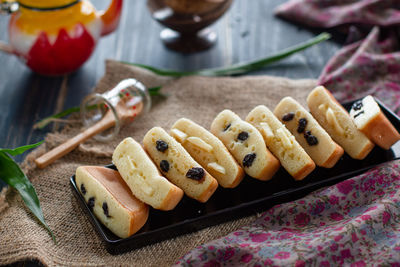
x: 249, y: 197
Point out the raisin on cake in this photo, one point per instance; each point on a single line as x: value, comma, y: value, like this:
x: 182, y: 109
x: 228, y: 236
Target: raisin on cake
x: 281, y: 143
x: 209, y: 151
x: 370, y: 120
x: 178, y: 166
x: 338, y: 123
x: 310, y: 135
x: 111, y: 201
x: 246, y: 145
x: 143, y: 177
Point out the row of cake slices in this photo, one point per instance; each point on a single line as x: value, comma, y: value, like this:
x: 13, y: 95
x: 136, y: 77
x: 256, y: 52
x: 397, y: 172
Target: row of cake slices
x: 195, y: 161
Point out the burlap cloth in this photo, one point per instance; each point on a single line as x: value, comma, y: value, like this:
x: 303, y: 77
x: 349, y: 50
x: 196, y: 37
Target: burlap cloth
x: 197, y: 98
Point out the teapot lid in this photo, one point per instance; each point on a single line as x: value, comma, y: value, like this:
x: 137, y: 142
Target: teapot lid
x: 46, y: 4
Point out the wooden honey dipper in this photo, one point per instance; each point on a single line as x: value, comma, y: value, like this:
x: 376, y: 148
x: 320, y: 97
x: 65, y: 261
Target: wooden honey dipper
x: 122, y: 110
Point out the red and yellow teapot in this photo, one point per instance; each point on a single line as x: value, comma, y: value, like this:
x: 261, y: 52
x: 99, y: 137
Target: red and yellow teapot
x: 55, y: 37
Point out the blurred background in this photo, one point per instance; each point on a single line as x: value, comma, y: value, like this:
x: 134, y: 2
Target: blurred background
x: 248, y: 31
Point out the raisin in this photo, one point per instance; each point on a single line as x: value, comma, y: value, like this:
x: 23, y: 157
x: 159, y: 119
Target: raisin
x: 288, y: 116
x: 164, y: 166
x: 242, y: 136
x: 227, y: 127
x: 302, y: 125
x: 195, y: 173
x: 105, y: 209
x: 311, y: 139
x: 357, y: 105
x: 358, y: 114
x: 248, y: 159
x: 161, y: 145
x: 83, y: 189
x: 91, y: 203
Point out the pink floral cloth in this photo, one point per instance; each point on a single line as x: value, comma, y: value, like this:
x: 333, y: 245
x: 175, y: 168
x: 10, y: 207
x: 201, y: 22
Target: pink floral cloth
x: 334, y: 13
x: 370, y: 66
x: 355, y: 222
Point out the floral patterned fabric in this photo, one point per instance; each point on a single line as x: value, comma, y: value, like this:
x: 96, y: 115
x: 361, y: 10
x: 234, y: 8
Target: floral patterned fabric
x: 370, y: 66
x: 355, y: 222
x: 343, y: 13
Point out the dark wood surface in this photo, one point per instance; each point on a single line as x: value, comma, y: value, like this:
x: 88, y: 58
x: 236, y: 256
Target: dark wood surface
x: 249, y: 30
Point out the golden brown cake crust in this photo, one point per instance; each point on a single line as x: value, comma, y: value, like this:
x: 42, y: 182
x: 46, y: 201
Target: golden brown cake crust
x: 239, y: 177
x: 366, y: 151
x: 270, y: 170
x: 381, y: 131
x: 138, y: 220
x: 353, y: 141
x: 174, y: 196
x: 332, y: 160
x: 166, y: 195
x: 181, y: 163
x: 325, y: 151
x: 301, y: 174
x: 227, y: 126
x: 208, y: 192
x: 185, y: 129
x: 116, y: 186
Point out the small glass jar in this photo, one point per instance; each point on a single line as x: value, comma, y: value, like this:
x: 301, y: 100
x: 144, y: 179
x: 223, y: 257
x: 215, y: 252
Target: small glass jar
x: 129, y: 93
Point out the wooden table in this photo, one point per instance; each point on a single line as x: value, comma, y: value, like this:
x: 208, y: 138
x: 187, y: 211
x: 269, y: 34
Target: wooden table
x: 249, y: 30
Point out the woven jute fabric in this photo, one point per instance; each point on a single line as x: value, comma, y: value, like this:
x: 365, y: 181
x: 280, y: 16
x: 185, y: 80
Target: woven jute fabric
x: 196, y: 98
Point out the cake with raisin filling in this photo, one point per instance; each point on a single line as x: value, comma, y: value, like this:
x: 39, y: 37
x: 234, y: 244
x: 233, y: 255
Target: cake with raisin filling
x: 338, y: 123
x: 281, y: 143
x: 209, y: 151
x: 310, y: 135
x: 370, y: 120
x: 110, y: 199
x: 246, y: 145
x: 178, y: 166
x: 143, y: 177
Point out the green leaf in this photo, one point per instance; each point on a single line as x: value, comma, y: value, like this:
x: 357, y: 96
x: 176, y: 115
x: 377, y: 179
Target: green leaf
x: 43, y: 123
x: 163, y: 72
x: 154, y: 91
x: 11, y: 174
x: 20, y: 150
x: 242, y: 67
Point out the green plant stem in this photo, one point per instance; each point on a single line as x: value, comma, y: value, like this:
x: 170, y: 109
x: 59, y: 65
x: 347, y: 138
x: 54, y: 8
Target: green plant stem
x: 231, y: 70
x: 44, y: 122
x: 242, y: 67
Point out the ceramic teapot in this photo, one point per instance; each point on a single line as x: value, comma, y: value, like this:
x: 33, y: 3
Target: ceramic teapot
x: 55, y: 37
